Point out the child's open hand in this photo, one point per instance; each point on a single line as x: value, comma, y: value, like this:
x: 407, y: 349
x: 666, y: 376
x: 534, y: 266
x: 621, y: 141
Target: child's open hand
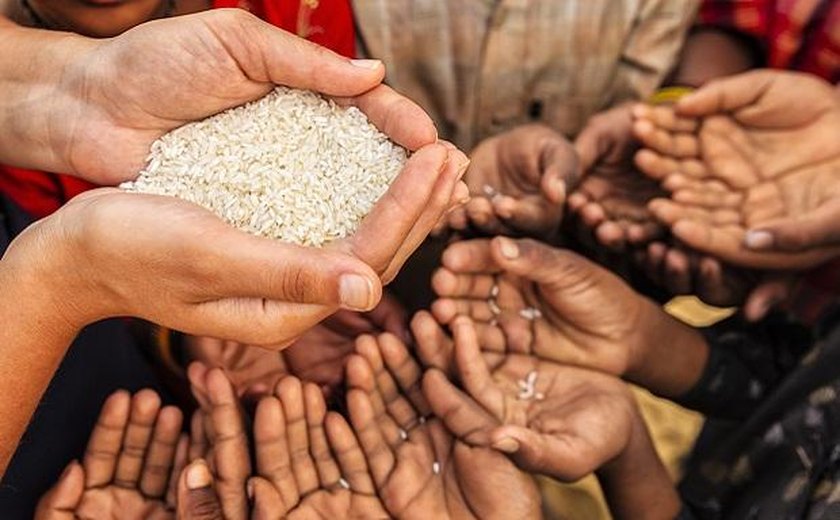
x: 131, y: 466
x: 756, y: 150
x: 419, y: 469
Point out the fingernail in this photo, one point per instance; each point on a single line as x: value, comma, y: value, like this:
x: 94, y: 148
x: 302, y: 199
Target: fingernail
x: 198, y: 476
x: 366, y: 64
x: 249, y: 488
x: 758, y: 240
x: 355, y: 292
x: 509, y: 248
x: 507, y: 445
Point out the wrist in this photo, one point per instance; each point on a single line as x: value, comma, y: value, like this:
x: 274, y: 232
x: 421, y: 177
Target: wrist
x: 39, y: 109
x: 636, y: 483
x: 667, y: 356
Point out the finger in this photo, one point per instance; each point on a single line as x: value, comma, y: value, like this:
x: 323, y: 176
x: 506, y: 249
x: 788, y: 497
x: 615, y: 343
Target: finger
x: 100, y: 460
x: 529, y: 213
x: 540, y: 263
x: 408, y: 374
x: 196, y: 374
x: 161, y: 454
x: 197, y: 498
x: 677, y: 272
x: 179, y: 463
x: 230, y: 444
x: 471, y: 256
x: 666, y: 118
x: 562, y: 169
x: 350, y: 456
x: 316, y: 412
x: 290, y: 393
x: 447, y: 283
x: 725, y: 95
x: 396, y: 405
x: 398, y: 210
x: 491, y: 338
x: 678, y: 145
x: 396, y: 116
x: 62, y: 500
x: 272, y: 450
x: 669, y: 213
x: 267, y: 500
x: 464, y: 417
x: 144, y: 411
x: 641, y: 234
x: 611, y: 235
x: 447, y: 192
x: 378, y: 453
x: 472, y: 369
x: 552, y: 455
x: 481, y: 214
x: 239, y: 264
x: 360, y: 376
x: 434, y: 347
x: 727, y: 244
x: 812, y: 230
x: 198, y: 437
x: 447, y: 309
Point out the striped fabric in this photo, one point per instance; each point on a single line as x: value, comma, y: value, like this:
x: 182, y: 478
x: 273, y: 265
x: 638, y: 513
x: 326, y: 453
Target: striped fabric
x: 483, y: 66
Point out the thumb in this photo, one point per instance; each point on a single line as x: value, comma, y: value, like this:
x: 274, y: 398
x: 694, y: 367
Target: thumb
x: 726, y: 95
x: 816, y: 229
x: 545, y: 265
x: 545, y: 454
x: 61, y: 501
x: 197, y: 498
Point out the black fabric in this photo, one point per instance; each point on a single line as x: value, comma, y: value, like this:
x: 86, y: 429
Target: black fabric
x: 781, y: 460
x: 104, y: 358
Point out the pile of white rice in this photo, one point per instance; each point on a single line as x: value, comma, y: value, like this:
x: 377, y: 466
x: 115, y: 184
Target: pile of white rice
x: 291, y: 166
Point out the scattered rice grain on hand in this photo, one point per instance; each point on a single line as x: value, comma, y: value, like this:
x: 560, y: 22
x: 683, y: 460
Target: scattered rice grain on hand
x: 291, y: 166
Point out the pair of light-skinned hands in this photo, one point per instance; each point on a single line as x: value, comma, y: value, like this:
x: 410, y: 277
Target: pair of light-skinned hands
x: 736, y: 176
x: 413, y: 445
x: 92, y: 108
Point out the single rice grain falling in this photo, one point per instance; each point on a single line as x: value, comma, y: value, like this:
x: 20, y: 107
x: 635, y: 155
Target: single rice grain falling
x: 403, y: 434
x: 343, y: 483
x: 436, y: 468
x: 292, y: 166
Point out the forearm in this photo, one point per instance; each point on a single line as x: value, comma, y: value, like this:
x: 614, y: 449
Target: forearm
x: 636, y: 484
x: 33, y: 340
x: 36, y: 113
x: 709, y: 54
x: 670, y: 357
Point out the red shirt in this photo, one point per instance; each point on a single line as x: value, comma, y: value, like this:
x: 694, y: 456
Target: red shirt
x: 325, y: 22
x: 801, y: 35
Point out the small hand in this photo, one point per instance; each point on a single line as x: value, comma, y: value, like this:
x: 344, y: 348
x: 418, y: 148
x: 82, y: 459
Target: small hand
x: 131, y: 466
x: 612, y: 198
x: 751, y: 160
x: 552, y: 419
x: 536, y: 299
x: 558, y: 306
x: 518, y: 183
x: 309, y: 463
x: 418, y: 468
